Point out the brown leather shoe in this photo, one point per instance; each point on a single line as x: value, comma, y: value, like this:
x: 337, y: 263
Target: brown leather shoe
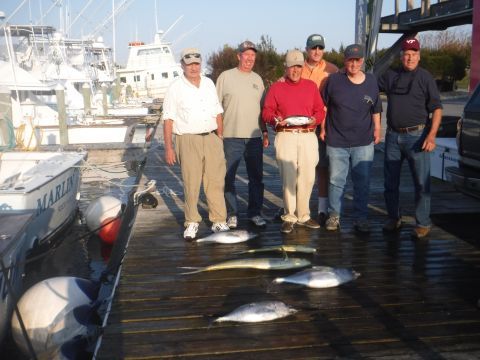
x: 419, y: 232
x: 310, y: 223
x: 287, y: 227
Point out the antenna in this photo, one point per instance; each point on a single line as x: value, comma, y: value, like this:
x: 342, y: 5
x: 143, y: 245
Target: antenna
x: 78, y: 16
x: 178, y: 39
x: 156, y: 17
x: 171, y: 27
x: 15, y: 11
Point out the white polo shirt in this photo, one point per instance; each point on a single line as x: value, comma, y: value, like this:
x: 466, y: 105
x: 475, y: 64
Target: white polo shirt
x: 193, y: 109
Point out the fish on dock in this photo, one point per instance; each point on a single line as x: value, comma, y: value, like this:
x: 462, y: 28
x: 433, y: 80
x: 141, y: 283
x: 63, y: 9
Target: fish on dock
x: 282, y: 248
x: 258, y: 263
x: 320, y: 277
x: 258, y: 312
x: 229, y: 237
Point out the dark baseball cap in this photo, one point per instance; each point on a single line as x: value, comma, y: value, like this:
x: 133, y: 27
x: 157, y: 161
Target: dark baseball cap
x: 315, y: 40
x: 246, y: 45
x: 354, y: 51
x: 410, y: 44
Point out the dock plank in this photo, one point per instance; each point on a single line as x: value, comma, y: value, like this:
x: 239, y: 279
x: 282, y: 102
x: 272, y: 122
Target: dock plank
x: 413, y: 300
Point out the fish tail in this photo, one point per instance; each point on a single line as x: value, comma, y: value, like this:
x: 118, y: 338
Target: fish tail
x: 196, y: 270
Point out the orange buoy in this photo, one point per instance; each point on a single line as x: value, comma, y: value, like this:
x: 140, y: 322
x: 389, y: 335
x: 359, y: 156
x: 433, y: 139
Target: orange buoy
x: 110, y: 228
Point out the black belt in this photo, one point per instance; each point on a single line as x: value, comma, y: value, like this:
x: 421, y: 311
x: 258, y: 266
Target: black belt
x: 205, y: 133
x: 408, y: 129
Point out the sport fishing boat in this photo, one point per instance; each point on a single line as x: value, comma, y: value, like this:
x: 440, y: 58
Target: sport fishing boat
x: 45, y: 183
x: 13, y: 238
x: 150, y: 69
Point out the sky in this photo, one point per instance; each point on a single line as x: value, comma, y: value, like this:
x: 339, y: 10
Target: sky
x: 206, y: 24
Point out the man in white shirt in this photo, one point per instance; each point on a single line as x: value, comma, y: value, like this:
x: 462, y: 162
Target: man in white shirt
x: 193, y: 114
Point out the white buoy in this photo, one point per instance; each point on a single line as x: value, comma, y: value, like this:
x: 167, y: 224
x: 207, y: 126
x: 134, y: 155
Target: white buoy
x: 54, y: 311
x: 100, y: 209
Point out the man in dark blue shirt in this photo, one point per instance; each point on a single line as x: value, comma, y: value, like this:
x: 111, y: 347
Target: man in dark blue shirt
x: 352, y: 128
x: 411, y: 132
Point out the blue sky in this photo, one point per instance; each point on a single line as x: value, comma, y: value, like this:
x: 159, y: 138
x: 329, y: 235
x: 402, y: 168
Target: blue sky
x: 207, y: 24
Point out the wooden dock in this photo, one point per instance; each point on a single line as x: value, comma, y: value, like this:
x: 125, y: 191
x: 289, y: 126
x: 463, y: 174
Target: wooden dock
x: 413, y: 300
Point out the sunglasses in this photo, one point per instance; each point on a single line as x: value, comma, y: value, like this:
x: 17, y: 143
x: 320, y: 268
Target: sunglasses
x: 189, y: 56
x: 316, y: 47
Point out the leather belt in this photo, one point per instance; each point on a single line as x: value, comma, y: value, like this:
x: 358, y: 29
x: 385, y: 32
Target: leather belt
x: 205, y: 133
x: 309, y: 130
x: 408, y: 129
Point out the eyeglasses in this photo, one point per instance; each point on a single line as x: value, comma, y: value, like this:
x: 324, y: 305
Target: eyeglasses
x: 316, y: 47
x: 189, y: 56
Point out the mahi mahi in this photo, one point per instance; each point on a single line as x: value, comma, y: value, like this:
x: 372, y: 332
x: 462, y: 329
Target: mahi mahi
x: 282, y: 248
x: 229, y: 237
x: 320, y: 277
x: 258, y: 312
x: 255, y: 263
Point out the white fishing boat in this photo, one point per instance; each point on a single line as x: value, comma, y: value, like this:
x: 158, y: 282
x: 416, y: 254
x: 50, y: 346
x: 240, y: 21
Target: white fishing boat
x: 46, y: 183
x: 13, y: 239
x: 150, y: 69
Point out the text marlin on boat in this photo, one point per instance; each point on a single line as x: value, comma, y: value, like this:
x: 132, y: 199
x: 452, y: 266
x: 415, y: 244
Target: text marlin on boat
x: 54, y: 195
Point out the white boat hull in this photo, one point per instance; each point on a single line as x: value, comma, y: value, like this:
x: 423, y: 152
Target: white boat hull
x: 12, y: 254
x: 44, y: 182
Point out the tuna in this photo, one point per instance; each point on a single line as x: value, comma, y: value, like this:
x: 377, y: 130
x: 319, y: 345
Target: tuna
x: 229, y: 237
x: 258, y: 312
x: 257, y: 263
x: 320, y: 277
x: 282, y: 248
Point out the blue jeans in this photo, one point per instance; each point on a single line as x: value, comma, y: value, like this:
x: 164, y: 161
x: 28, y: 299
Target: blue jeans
x: 360, y: 160
x: 252, y: 151
x: 397, y: 148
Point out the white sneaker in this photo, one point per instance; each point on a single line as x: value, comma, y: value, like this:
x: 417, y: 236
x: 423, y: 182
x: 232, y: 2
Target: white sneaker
x: 232, y: 222
x: 258, y: 221
x: 219, y: 227
x: 190, y: 231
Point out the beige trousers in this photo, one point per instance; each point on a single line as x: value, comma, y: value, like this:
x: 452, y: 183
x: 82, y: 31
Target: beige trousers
x: 202, y: 159
x: 297, y: 157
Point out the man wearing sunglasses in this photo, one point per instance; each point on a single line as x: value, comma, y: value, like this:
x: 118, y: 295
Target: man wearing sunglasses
x: 240, y: 91
x: 193, y: 114
x: 317, y: 69
x: 414, y: 114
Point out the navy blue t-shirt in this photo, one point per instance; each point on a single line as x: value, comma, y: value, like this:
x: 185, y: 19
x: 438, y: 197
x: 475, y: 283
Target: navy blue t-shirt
x: 349, y: 110
x: 412, y: 96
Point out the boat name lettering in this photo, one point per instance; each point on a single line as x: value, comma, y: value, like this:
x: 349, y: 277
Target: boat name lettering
x: 55, y: 194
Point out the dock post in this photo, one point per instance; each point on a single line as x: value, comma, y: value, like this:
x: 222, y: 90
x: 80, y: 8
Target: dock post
x: 5, y: 115
x: 87, y: 104
x: 104, y: 99
x: 62, y: 114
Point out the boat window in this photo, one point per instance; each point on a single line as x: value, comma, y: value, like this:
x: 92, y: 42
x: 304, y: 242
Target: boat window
x: 166, y: 50
x: 123, y: 79
x: 164, y: 75
x: 145, y: 52
x: 136, y: 78
x: 152, y: 76
x: 175, y: 74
